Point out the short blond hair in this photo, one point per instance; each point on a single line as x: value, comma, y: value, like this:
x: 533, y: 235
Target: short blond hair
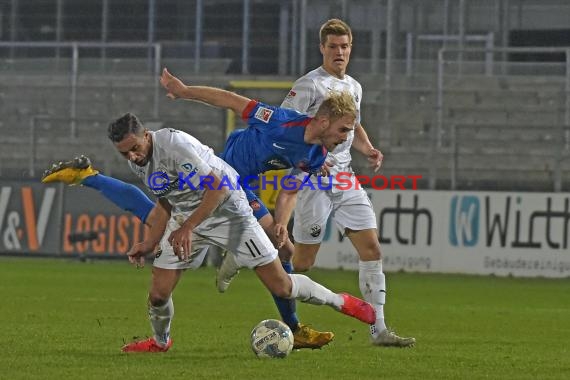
x: 335, y: 27
x: 337, y: 105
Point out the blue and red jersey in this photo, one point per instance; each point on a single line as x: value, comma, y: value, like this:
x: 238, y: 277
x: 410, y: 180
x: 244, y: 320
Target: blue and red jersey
x: 274, y: 139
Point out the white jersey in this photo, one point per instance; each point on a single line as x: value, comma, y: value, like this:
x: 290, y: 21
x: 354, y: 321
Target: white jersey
x: 350, y: 209
x: 307, y: 94
x: 179, y: 172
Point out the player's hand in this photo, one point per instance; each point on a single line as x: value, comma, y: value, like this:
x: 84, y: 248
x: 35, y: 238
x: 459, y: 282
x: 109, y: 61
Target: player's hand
x: 181, y: 242
x: 325, y: 170
x: 281, y: 235
x: 375, y: 158
x: 173, y: 85
x: 137, y: 254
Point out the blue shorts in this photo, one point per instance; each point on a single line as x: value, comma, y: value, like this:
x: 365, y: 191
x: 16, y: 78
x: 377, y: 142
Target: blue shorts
x: 259, y: 209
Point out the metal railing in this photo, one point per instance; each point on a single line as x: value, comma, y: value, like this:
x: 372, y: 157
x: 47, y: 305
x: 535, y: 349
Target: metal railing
x: 440, y: 130
x: 153, y: 62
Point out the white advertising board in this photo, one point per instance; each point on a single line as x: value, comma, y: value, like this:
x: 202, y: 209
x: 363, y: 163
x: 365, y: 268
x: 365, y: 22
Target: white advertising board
x: 519, y: 234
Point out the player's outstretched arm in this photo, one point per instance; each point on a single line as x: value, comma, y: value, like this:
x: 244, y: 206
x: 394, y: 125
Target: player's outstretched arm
x: 362, y: 144
x: 284, y: 206
x: 209, y: 95
x: 157, y: 219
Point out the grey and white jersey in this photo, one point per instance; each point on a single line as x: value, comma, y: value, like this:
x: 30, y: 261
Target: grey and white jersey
x: 307, y: 94
x: 179, y: 172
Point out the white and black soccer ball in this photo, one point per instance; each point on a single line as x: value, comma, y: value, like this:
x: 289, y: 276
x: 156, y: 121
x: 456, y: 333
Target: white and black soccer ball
x: 271, y: 339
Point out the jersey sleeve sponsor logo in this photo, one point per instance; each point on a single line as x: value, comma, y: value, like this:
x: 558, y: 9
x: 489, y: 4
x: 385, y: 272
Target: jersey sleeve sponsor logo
x: 255, y: 205
x: 263, y: 114
x: 291, y: 95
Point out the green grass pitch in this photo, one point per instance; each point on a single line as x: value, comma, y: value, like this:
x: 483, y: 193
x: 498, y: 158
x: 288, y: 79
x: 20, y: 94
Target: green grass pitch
x: 62, y: 319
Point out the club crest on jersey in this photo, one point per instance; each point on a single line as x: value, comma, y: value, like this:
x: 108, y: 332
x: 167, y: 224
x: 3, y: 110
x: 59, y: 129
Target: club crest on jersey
x: 315, y: 230
x: 291, y: 94
x: 263, y: 114
x: 139, y: 172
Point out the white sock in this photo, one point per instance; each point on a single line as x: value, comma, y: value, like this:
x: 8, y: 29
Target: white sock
x: 160, y: 318
x: 307, y: 290
x: 372, y: 284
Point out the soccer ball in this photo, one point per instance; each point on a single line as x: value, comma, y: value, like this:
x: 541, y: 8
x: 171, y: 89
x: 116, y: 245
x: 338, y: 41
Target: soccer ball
x: 271, y: 339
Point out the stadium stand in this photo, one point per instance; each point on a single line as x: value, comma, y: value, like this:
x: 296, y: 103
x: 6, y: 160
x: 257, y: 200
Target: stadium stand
x: 499, y: 130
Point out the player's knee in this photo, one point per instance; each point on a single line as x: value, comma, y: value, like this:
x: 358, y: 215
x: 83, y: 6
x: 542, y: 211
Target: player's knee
x: 282, y: 289
x: 157, y: 299
x: 369, y: 254
x: 282, y: 292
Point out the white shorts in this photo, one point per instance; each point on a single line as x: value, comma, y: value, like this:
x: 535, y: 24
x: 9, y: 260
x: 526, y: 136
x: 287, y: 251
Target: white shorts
x: 240, y: 235
x: 349, y: 209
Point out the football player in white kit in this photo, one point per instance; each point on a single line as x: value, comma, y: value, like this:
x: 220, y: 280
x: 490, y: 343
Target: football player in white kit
x: 350, y: 209
x: 198, y: 205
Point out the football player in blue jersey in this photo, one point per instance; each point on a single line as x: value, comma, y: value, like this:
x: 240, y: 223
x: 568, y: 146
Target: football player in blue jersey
x: 275, y: 138
x: 283, y: 138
